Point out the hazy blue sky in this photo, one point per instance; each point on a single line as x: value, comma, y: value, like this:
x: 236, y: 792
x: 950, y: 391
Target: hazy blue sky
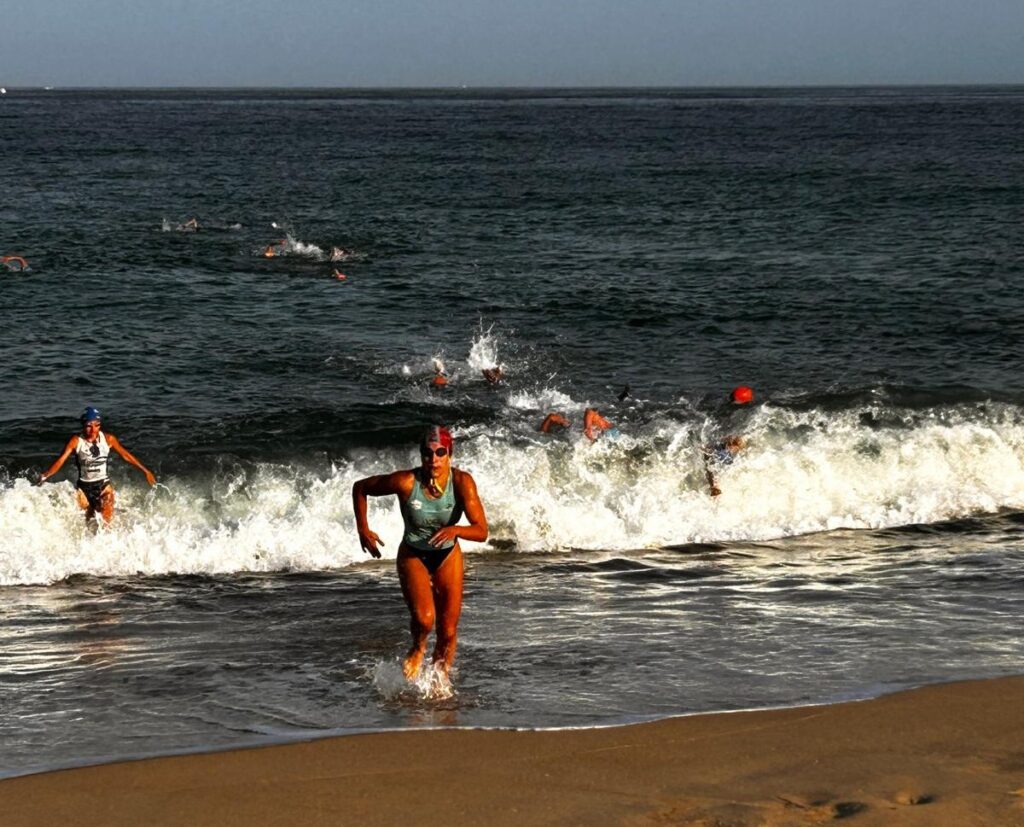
x: 509, y: 43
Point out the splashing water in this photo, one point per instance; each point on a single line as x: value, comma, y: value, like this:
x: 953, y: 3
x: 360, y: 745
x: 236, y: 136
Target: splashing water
x: 483, y: 353
x: 430, y: 684
x: 802, y: 472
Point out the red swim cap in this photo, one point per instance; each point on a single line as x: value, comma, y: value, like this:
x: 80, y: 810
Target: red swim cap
x: 438, y: 435
x: 742, y: 395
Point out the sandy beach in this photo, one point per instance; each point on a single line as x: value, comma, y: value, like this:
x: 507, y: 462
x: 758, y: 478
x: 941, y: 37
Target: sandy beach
x: 942, y: 755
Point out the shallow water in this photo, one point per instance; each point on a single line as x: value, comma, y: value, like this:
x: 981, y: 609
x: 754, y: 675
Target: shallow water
x: 854, y: 255
x: 98, y: 668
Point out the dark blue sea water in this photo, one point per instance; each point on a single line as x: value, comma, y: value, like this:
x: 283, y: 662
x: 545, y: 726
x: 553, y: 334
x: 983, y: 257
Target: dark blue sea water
x: 854, y: 255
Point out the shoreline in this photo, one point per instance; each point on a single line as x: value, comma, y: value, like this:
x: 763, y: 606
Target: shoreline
x: 353, y: 732
x: 943, y: 754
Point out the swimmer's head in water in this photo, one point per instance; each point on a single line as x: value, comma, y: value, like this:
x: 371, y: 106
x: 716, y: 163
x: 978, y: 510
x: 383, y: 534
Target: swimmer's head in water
x: 90, y: 415
x: 742, y: 395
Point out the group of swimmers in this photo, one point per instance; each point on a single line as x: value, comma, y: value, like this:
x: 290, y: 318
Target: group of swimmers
x: 274, y: 249
x: 193, y: 226
x: 338, y: 254
x: 494, y: 375
x: 594, y: 425
x: 433, y: 499
x: 716, y: 455
x: 719, y: 453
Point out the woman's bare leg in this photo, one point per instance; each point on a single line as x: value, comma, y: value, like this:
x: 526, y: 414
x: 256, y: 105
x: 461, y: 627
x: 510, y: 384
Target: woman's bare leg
x: 107, y: 504
x: 419, y: 597
x: 448, y: 600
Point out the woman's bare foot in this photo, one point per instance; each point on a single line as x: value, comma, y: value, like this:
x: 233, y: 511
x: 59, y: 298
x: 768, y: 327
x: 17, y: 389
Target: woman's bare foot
x: 411, y: 664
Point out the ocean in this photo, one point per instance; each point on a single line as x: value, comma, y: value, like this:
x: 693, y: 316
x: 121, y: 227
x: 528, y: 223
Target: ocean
x: 852, y: 254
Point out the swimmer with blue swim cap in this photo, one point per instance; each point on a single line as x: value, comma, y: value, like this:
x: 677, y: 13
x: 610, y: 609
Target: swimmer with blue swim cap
x: 92, y: 448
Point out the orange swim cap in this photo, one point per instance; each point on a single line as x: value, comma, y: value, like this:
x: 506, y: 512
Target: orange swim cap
x: 742, y: 395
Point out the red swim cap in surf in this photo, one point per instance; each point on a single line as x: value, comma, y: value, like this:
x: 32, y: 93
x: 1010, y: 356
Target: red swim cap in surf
x: 438, y: 435
x: 742, y: 395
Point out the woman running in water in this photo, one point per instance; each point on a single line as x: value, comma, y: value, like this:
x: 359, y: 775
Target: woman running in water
x: 91, y: 449
x: 433, y: 499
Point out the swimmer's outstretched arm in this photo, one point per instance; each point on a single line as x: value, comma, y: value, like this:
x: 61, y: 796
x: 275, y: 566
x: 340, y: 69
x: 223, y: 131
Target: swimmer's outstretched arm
x: 122, y: 452
x: 53, y: 469
x: 553, y: 420
x: 379, y: 486
x: 593, y: 421
x: 476, y: 531
x: 709, y: 473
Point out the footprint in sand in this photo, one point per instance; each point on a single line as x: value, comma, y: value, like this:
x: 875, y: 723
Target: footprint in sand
x: 912, y: 798
x: 820, y: 809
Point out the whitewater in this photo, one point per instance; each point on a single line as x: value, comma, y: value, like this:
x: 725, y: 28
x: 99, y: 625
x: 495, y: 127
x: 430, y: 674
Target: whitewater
x: 805, y: 470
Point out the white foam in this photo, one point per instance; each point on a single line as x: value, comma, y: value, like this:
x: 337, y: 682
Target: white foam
x: 544, y: 400
x: 291, y: 246
x: 483, y: 353
x: 802, y: 472
x: 431, y: 683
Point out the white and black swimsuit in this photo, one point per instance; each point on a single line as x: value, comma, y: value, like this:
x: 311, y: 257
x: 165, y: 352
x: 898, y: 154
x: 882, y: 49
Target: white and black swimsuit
x: 92, y: 468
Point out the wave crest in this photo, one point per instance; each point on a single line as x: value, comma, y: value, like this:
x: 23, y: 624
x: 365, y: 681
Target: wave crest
x: 804, y: 471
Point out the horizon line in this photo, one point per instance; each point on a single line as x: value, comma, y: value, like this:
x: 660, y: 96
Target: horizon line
x: 468, y: 88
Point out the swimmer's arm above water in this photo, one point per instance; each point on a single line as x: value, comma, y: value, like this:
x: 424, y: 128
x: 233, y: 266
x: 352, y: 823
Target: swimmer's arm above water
x: 122, y: 452
x: 713, y: 488
x: 53, y: 469
x: 466, y: 495
x: 553, y: 420
x: 399, y: 482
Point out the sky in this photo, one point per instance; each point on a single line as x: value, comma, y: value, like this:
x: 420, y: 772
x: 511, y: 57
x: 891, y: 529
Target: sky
x: 387, y: 43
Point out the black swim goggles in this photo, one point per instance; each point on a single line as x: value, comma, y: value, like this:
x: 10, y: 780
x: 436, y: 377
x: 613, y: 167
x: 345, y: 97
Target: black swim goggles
x: 426, y: 452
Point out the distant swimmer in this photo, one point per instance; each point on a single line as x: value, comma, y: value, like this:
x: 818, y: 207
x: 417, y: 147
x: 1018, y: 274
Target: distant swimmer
x: 554, y: 422
x: 340, y: 253
x: 440, y: 379
x: 433, y: 498
x: 718, y: 456
x: 340, y: 276
x: 722, y: 450
x: 275, y: 249
x: 626, y: 393
x: 91, y: 449
x: 16, y: 264
x: 208, y: 225
x: 594, y: 425
x: 741, y: 395
x: 493, y: 375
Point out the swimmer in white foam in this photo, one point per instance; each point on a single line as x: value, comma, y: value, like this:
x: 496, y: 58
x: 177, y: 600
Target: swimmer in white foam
x: 92, y: 448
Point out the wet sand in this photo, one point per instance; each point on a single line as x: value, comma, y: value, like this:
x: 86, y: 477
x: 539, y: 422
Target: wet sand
x: 942, y: 755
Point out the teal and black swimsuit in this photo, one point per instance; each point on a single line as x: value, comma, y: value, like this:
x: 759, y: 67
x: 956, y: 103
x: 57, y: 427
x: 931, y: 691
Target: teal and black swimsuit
x: 424, y: 515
